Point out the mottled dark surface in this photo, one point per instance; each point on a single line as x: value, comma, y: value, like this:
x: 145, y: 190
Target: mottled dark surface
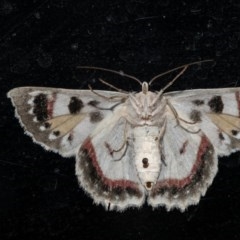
x: 75, y: 105
x: 40, y: 107
x: 234, y: 132
x: 216, y: 104
x: 42, y: 43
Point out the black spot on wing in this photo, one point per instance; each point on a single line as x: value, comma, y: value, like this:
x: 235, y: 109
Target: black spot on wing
x: 95, y: 117
x: 216, y: 104
x: 182, y: 150
x: 198, y: 102
x: 56, y: 133
x: 40, y: 107
x: 75, y: 105
x: 47, y: 125
x: 234, y: 132
x: 221, y: 137
x: 195, y: 116
x: 70, y: 137
x: 109, y: 148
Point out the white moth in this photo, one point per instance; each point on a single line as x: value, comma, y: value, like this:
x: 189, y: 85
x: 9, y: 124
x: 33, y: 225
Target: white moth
x: 131, y: 147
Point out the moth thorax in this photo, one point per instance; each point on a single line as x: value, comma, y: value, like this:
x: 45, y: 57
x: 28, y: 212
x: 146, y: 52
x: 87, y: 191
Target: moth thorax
x: 147, y: 154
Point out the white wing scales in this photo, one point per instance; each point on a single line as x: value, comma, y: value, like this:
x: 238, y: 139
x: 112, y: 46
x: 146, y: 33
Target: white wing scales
x: 204, y: 107
x: 60, y: 119
x: 107, y: 172
x: 65, y: 120
x: 191, y: 150
x: 190, y: 166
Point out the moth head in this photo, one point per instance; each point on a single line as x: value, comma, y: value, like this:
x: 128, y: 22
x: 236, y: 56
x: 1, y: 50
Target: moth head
x: 144, y: 87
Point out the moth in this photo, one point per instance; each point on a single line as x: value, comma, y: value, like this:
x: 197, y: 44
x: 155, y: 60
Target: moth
x: 134, y: 147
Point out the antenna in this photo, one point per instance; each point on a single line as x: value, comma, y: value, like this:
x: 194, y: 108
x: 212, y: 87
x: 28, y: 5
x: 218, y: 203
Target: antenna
x: 121, y: 73
x: 174, y: 69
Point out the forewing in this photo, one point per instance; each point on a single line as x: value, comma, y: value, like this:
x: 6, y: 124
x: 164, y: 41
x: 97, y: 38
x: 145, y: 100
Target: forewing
x: 188, y: 168
x: 61, y: 119
x: 105, y: 165
x: 215, y: 111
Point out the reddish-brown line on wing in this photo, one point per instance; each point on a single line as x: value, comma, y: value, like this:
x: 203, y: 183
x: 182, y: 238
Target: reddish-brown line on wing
x: 50, y: 106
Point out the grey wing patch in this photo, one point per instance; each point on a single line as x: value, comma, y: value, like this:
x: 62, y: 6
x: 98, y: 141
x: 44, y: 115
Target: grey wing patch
x: 195, y: 115
x: 33, y: 114
x: 96, y: 116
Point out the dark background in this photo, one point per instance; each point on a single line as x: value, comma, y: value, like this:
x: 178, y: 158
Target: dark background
x: 41, y: 44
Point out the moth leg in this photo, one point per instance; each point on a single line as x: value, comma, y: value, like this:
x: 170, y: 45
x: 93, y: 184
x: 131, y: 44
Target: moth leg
x: 161, y: 149
x: 176, y: 114
x: 179, y: 119
x: 111, y: 86
x: 125, y: 150
x: 112, y: 151
x: 124, y: 145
